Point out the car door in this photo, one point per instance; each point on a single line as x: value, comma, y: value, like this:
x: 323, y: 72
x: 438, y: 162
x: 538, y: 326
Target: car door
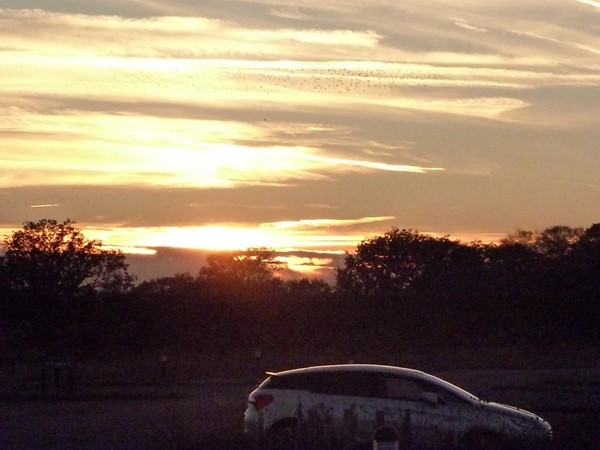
x: 425, y: 414
x: 344, y: 406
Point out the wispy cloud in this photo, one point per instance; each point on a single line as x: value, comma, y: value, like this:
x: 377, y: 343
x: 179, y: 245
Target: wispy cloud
x: 370, y: 165
x: 466, y: 26
x: 251, y: 104
x: 142, y: 150
x: 554, y: 40
x: 590, y: 2
x: 305, y: 224
x: 323, y: 234
x: 179, y: 37
x: 49, y: 205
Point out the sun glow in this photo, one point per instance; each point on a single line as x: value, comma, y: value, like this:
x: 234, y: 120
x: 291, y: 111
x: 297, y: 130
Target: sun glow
x: 207, y: 238
x: 311, y: 267
x: 143, y: 150
x: 323, y: 235
x: 193, y: 125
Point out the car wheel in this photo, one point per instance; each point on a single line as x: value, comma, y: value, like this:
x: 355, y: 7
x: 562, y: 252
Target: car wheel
x: 483, y: 440
x: 283, y: 435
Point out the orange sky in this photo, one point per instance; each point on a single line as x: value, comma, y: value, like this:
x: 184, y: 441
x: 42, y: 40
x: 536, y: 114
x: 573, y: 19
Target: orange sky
x: 299, y: 127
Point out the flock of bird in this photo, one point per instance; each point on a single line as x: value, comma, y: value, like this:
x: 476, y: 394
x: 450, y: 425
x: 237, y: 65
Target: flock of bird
x: 330, y: 80
x: 205, y: 80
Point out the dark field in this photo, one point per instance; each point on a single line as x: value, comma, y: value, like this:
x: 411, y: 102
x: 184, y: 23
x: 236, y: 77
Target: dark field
x: 177, y: 411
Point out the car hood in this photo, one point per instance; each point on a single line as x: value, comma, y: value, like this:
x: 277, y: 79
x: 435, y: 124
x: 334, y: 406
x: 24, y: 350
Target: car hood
x: 509, y: 410
x: 519, y: 418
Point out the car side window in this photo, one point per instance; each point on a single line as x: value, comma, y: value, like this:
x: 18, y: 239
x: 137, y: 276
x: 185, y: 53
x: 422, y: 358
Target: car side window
x: 445, y: 396
x: 406, y: 388
x: 402, y: 388
x: 345, y: 383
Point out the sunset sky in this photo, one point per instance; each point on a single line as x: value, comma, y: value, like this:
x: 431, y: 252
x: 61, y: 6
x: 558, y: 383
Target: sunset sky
x: 161, y: 126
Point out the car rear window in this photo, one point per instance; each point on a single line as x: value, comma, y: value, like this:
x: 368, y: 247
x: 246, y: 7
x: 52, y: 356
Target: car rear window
x: 331, y: 383
x: 296, y: 381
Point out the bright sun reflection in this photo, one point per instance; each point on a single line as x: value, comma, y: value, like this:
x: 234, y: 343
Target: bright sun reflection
x: 145, y: 241
x: 224, y: 237
x: 207, y: 238
x: 306, y: 266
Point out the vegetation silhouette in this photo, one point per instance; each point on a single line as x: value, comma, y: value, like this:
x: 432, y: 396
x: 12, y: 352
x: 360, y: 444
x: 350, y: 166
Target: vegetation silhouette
x: 48, y: 272
x: 404, y: 289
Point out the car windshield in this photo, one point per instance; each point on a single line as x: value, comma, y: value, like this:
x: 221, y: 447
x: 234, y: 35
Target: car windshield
x: 439, y: 386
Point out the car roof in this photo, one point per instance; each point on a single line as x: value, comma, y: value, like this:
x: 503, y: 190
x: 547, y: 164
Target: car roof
x: 377, y: 368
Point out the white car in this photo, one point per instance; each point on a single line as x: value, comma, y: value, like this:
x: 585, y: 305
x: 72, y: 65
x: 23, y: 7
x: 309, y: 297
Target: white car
x: 345, y: 405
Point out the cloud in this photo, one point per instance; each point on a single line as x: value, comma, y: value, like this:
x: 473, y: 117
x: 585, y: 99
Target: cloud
x: 166, y: 36
x: 321, y: 31
x: 138, y: 150
x: 323, y: 234
x: 371, y: 165
x: 159, y: 59
x: 553, y: 40
x: 307, y: 224
x: 469, y: 27
x: 148, y: 114
x: 297, y: 264
x: 49, y: 205
x: 590, y: 3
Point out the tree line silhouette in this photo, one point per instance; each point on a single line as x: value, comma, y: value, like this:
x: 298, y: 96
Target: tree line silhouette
x: 63, y: 294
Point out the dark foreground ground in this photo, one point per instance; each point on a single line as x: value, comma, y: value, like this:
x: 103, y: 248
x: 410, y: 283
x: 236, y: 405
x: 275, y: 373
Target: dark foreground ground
x: 208, y: 413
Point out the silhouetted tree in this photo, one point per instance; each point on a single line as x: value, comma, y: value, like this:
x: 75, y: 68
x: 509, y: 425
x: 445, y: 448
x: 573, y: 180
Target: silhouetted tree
x: 552, y: 243
x: 399, y: 290
x: 586, y: 252
x: 185, y: 312
x: 252, y: 266
x: 52, y: 260
x: 574, y: 289
x: 387, y: 266
x: 50, y: 267
x: 586, y: 256
x: 309, y: 287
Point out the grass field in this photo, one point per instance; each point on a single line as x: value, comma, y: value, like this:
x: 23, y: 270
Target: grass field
x: 140, y: 405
